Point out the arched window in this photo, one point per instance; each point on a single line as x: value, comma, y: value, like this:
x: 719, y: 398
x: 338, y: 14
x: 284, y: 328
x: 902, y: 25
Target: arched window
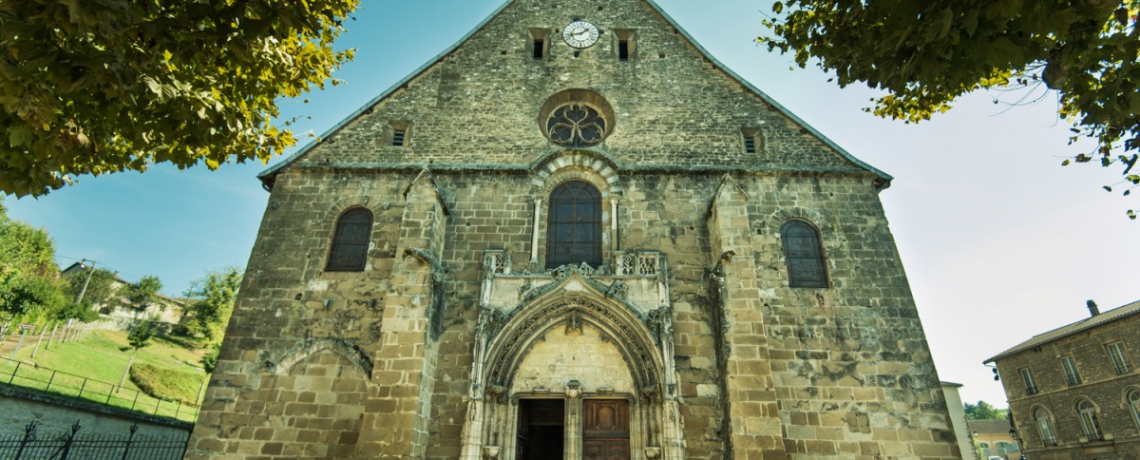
x: 350, y: 241
x: 1089, y: 422
x: 574, y: 225
x: 1045, y: 427
x: 803, y: 254
x: 1134, y: 406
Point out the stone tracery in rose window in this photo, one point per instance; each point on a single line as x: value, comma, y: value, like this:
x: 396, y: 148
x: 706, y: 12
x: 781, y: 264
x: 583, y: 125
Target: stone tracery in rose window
x: 576, y: 124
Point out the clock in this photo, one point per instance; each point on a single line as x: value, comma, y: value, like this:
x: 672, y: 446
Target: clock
x: 580, y: 34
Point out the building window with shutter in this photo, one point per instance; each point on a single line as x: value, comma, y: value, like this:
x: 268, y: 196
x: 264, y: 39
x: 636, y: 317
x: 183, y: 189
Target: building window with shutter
x: 1116, y: 354
x: 803, y: 255
x: 574, y: 225
x: 1027, y: 379
x: 1069, y: 367
x: 349, y: 251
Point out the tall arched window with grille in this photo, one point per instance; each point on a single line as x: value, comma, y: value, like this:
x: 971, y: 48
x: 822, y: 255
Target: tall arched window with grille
x: 1045, y: 427
x: 1089, y: 421
x: 574, y: 225
x: 804, y: 255
x: 1134, y: 406
x: 349, y: 250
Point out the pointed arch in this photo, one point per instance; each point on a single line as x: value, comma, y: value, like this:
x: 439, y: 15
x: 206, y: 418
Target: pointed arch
x: 615, y: 322
x: 311, y: 347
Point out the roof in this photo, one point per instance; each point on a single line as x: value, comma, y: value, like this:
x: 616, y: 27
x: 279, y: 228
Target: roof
x: 269, y: 174
x: 1000, y: 426
x: 1070, y: 329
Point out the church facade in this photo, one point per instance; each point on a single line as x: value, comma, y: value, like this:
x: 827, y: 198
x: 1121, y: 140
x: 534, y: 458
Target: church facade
x: 574, y: 235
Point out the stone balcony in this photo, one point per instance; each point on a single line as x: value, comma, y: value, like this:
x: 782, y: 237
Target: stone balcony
x: 638, y: 279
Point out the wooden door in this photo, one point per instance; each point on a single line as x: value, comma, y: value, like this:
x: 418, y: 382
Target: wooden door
x: 605, y: 429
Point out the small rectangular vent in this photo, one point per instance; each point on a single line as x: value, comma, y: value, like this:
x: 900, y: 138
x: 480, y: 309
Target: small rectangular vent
x: 398, y: 138
x: 750, y: 144
x: 539, y: 48
x: 623, y: 50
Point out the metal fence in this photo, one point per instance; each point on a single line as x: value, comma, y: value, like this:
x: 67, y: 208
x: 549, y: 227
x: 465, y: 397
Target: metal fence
x: 76, y: 446
x: 57, y: 383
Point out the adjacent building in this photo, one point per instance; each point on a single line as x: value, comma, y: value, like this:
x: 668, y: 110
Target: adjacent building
x: 958, y: 418
x: 993, y: 438
x: 574, y: 235
x: 120, y: 313
x: 1074, y: 392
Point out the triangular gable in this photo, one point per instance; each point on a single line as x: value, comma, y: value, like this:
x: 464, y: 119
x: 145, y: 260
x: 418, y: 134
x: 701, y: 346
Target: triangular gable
x: 268, y: 175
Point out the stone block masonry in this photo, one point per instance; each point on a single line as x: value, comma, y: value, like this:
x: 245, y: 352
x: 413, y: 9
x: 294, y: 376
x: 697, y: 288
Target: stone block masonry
x: 456, y: 341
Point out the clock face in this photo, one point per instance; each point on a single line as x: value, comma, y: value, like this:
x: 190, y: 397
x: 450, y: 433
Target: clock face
x: 580, y: 34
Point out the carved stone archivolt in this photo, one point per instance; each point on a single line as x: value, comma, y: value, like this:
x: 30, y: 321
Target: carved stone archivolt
x: 626, y: 329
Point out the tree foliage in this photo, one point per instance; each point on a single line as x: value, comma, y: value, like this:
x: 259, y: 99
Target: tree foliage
x: 93, y: 87
x: 140, y: 335
x: 210, y: 360
x: 926, y: 53
x: 29, y: 283
x: 144, y: 292
x: 983, y: 411
x: 212, y: 302
x: 25, y: 249
x: 100, y: 287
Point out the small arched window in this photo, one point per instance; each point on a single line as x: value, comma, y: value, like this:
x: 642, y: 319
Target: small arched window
x: 1134, y: 406
x: 574, y: 225
x: 1089, y: 422
x: 1045, y: 427
x: 350, y: 241
x: 803, y: 255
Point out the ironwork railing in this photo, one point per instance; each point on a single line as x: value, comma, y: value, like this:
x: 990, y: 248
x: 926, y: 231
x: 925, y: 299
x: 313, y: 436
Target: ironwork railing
x: 96, y: 446
x: 31, y: 376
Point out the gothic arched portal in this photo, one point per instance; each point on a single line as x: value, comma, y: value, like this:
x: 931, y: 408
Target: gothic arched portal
x: 575, y: 370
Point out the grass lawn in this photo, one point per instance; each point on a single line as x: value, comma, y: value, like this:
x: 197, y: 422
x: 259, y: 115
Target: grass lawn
x: 98, y: 357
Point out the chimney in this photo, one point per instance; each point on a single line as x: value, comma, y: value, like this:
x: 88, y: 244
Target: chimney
x: 1093, y: 310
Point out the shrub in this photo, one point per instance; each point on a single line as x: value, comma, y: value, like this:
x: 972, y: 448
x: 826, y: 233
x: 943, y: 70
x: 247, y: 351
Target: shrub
x: 166, y: 384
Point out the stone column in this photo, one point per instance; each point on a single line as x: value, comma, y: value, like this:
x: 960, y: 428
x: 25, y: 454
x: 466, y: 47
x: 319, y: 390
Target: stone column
x: 395, y: 424
x: 753, y: 418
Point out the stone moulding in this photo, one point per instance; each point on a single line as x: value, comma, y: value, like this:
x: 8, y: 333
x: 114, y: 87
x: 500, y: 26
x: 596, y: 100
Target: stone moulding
x: 312, y: 346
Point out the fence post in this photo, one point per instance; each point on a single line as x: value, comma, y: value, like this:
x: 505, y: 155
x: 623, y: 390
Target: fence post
x: 136, y: 401
x: 52, y: 338
x: 177, y: 408
x: 70, y: 439
x: 81, y: 387
x: 131, y: 439
x: 50, y: 380
x: 41, y: 339
x: 29, y: 436
x: 19, y: 342
x: 14, y: 371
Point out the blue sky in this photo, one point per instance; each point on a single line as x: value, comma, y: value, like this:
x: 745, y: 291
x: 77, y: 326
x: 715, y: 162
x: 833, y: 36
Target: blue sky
x: 999, y: 241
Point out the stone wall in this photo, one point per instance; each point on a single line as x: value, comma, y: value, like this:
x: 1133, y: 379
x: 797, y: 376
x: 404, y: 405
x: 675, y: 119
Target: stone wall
x: 479, y: 105
x: 56, y: 416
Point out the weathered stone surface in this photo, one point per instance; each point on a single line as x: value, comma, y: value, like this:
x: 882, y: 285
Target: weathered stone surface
x: 716, y: 355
